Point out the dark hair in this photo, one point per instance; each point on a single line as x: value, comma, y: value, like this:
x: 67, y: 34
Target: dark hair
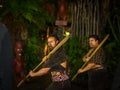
x: 96, y: 37
x: 55, y: 36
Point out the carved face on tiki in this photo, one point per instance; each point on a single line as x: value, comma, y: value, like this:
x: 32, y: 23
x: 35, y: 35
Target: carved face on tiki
x: 18, y: 48
x: 19, y: 63
x: 62, y: 12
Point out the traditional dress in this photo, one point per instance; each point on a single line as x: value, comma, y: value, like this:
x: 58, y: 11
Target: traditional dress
x: 97, y: 77
x: 59, y: 74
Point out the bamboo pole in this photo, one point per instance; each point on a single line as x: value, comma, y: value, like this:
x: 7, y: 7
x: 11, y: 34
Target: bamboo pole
x: 92, y: 54
x: 77, y: 19
x: 97, y: 17
x: 80, y: 20
x: 88, y: 19
x: 91, y: 17
x: 94, y: 17
x: 52, y: 52
x: 73, y: 19
x: 83, y: 18
x: 72, y: 24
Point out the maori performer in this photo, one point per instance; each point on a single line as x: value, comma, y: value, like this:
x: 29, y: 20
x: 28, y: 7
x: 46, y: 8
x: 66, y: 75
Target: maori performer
x: 56, y: 64
x: 97, y: 72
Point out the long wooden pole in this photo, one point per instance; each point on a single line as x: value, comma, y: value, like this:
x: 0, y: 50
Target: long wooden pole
x: 92, y: 54
x: 52, y: 52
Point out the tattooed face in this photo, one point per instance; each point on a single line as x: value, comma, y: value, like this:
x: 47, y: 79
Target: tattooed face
x: 52, y: 42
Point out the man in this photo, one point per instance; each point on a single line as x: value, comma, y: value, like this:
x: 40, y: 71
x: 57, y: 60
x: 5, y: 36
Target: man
x: 57, y: 65
x: 97, y: 73
x: 6, y: 60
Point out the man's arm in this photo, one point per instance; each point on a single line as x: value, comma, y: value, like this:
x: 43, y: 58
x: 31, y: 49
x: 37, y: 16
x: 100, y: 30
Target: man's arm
x: 64, y: 64
x: 87, y: 56
x: 39, y: 72
x: 88, y: 67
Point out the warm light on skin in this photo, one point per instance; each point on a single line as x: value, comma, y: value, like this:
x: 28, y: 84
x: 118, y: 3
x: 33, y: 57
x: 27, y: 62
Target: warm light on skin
x: 93, y: 42
x: 52, y: 42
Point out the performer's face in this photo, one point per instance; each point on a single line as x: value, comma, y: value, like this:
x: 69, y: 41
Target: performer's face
x: 93, y: 42
x: 52, y: 42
